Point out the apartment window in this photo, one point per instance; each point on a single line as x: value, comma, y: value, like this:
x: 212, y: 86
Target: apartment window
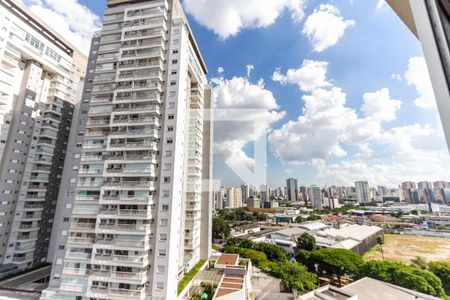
x: 169, y: 128
x: 166, y: 179
x: 170, y: 117
x: 172, y: 93
x: 169, y: 141
x: 165, y: 207
x: 174, y: 72
x: 53, y: 55
x: 162, y: 252
x: 171, y: 105
x: 163, y: 237
x: 61, y: 247
x: 172, y: 83
x: 73, y: 180
x: 176, y: 41
x: 77, y: 156
x: 163, y: 222
x: 175, y: 51
x: 160, y: 286
x: 34, y: 42
x: 160, y: 269
x: 168, y: 153
x: 66, y: 219
x: 174, y: 61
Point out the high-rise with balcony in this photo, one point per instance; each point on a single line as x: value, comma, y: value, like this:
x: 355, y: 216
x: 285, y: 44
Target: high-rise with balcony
x: 41, y: 78
x: 137, y: 210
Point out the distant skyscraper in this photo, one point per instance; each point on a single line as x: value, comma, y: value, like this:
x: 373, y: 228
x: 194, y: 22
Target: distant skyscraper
x: 292, y: 189
x: 425, y: 190
x: 41, y: 80
x: 407, y: 186
x: 234, y: 197
x: 362, y: 191
x: 429, y: 20
x: 316, y: 197
x: 245, y: 191
x: 447, y: 195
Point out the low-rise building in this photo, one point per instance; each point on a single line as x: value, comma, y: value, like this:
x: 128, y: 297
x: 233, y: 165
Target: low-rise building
x: 357, y: 238
x: 365, y: 289
x: 254, y: 202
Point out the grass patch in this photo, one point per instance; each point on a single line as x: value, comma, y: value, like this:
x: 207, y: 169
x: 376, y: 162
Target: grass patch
x: 189, y: 275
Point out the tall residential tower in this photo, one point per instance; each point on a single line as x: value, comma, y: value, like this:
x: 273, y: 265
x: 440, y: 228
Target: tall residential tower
x: 138, y: 213
x: 41, y: 78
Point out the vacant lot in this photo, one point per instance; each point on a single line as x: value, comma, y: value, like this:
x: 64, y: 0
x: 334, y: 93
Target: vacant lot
x: 407, y: 247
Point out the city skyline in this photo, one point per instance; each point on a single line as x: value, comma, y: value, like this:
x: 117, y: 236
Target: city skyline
x: 389, y: 128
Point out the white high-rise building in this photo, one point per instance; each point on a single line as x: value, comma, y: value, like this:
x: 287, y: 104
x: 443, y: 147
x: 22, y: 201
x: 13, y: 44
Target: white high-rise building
x: 362, y: 191
x: 140, y: 207
x: 315, y: 197
x: 41, y: 79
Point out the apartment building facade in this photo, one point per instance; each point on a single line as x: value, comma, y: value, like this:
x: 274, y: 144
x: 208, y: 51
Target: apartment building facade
x: 137, y: 212
x: 41, y: 77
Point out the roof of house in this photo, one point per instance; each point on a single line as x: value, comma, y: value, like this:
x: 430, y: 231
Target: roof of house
x: 311, y: 226
x: 354, y: 231
x: 228, y: 259
x: 290, y: 231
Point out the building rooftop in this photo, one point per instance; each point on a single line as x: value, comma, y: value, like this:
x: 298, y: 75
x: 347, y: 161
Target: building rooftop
x: 290, y: 231
x: 313, y: 226
x: 366, y: 289
x: 228, y: 259
x: 354, y: 231
x: 372, y: 289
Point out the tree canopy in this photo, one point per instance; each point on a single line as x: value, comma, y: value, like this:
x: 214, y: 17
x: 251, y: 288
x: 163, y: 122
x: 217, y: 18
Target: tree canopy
x: 442, y: 270
x: 337, y: 261
x: 403, y: 275
x: 220, y: 229
x: 306, y: 242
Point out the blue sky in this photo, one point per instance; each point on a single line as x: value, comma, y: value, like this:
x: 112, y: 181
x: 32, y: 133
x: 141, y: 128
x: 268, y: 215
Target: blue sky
x: 356, y: 104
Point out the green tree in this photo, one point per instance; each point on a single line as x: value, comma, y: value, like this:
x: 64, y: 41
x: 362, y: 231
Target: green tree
x: 273, y: 252
x: 339, y: 262
x: 380, y: 242
x: 313, y: 217
x: 403, y: 275
x: 306, y: 242
x: 220, y: 228
x: 442, y: 270
x: 256, y: 257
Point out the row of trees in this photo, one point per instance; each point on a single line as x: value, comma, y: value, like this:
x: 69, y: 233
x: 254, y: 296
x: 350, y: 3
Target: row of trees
x: 273, y: 260
x: 432, y: 278
x: 241, y: 215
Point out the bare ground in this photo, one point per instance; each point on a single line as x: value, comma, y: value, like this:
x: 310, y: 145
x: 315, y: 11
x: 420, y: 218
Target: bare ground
x: 407, y: 247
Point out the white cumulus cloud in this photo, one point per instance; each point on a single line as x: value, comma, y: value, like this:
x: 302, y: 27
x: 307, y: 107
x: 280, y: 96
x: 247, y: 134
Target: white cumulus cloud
x: 228, y: 17
x: 239, y: 99
x: 74, y: 21
x: 311, y: 75
x: 408, y: 157
x: 325, y: 27
x: 417, y: 76
x: 380, y: 106
x: 327, y: 127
